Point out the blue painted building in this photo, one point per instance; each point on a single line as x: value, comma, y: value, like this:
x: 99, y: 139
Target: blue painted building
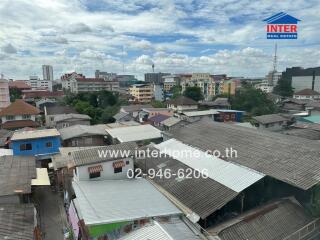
x: 38, y: 143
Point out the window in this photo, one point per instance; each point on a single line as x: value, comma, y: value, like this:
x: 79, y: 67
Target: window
x: 9, y: 117
x: 26, y: 116
x: 118, y: 170
x: 25, y: 147
x: 127, y: 162
x: 94, y: 175
x: 48, y: 144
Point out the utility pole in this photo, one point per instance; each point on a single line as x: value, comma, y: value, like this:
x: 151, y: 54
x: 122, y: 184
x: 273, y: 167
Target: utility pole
x: 274, y: 70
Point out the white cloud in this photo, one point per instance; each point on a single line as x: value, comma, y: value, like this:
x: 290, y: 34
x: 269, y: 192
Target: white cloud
x: 9, y: 49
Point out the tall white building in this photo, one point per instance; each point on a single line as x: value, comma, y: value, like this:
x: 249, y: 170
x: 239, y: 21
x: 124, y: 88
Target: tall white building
x: 37, y: 84
x: 47, y: 72
x: 4, y: 93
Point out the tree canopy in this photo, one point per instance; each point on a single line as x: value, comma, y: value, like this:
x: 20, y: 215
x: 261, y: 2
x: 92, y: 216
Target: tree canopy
x: 193, y: 93
x: 253, y: 101
x: 100, y: 106
x: 283, y: 87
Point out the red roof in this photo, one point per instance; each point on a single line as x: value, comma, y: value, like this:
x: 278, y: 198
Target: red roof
x: 20, y: 84
x: 19, y: 124
x: 33, y: 94
x: 19, y: 107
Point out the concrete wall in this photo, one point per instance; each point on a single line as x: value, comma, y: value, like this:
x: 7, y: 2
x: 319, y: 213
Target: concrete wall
x: 81, y: 173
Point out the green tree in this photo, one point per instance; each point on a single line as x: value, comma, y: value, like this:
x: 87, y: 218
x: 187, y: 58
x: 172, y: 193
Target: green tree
x: 193, y: 93
x: 283, y: 87
x: 176, y: 91
x: 253, y: 101
x: 15, y: 93
x: 158, y: 104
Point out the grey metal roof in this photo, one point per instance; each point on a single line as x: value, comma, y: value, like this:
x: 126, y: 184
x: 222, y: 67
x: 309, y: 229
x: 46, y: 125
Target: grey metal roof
x: 202, y: 195
x: 110, y: 201
x: 16, y: 221
x: 31, y: 134
x: 16, y: 173
x: 171, y: 121
x: 270, y: 222
x: 175, y: 229
x: 287, y: 158
x: 304, y: 133
x: 134, y: 108
x: 269, y: 118
x: 92, y: 155
x: 80, y: 130
x: 120, y: 115
x: 53, y: 110
x: 63, y: 117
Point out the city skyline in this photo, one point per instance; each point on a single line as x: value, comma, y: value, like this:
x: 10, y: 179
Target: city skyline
x: 176, y: 36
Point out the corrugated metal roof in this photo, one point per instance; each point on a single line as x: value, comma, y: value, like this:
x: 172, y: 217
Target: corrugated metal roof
x: 81, y: 130
x: 171, y: 121
x: 17, y: 221
x: 62, y: 117
x: 103, y: 153
x: 287, y: 158
x: 173, y: 230
x: 109, y: 201
x: 22, y: 135
x: 200, y: 113
x: 228, y: 174
x: 203, y: 196
x: 16, y: 173
x: 135, y: 133
x: 269, y: 118
x: 270, y: 222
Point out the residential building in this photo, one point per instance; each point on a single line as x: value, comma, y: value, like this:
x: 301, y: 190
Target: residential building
x: 126, y: 80
x: 66, y: 79
x: 191, y: 116
x: 264, y: 87
x: 228, y: 87
x: 39, y: 143
x: 157, y: 120
x: 123, y: 117
x: 19, y: 114
x: 97, y: 163
x: 228, y: 115
x: 283, y: 219
x: 294, y: 105
x: 139, y: 134
x: 169, y: 82
x: 141, y: 93
x: 83, y: 136
x: 19, y: 84
x: 134, y: 203
x: 134, y: 110
x: 47, y: 72
x: 147, y: 113
x: 51, y: 111
x: 307, y: 94
x: 37, y: 84
x: 202, y: 80
x: 181, y: 104
x: 66, y: 120
x: 4, y: 94
x: 218, y: 103
x: 154, y: 78
x: 273, y: 77
x: 158, y: 92
x: 78, y: 84
x: 171, y: 123
x: 271, y: 122
x: 105, y: 75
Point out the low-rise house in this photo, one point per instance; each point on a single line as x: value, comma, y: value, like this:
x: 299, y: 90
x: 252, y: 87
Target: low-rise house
x: 51, y: 111
x: 103, y: 163
x: 19, y: 84
x: 70, y: 119
x: 134, y: 203
x: 192, y: 116
x: 283, y: 219
x: 157, y: 120
x: 19, y: 114
x: 228, y: 115
x: 181, y: 104
x: 171, y: 123
x: 294, y: 105
x: 134, y: 110
x: 271, y: 122
x: 83, y: 136
x: 39, y: 143
x: 139, y: 134
x: 120, y: 124
x: 306, y: 94
x: 123, y: 117
x: 219, y: 103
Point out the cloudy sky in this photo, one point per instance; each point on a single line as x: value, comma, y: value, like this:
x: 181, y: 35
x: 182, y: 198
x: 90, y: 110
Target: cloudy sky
x: 216, y: 36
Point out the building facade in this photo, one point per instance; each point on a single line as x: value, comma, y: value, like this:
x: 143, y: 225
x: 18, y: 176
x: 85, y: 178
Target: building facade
x: 47, y: 72
x: 155, y: 78
x: 141, y: 93
x: 4, y: 94
x: 36, y: 83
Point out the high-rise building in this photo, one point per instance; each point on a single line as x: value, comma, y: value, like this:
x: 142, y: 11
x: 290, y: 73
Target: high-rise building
x: 155, y: 78
x: 47, y: 72
x: 4, y: 93
x: 108, y: 76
